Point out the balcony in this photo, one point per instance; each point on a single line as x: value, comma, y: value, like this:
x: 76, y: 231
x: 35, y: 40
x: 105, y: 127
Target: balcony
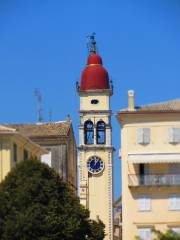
x: 154, y: 180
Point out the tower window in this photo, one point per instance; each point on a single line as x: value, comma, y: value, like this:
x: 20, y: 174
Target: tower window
x: 101, y: 135
x: 94, y: 101
x: 89, y: 132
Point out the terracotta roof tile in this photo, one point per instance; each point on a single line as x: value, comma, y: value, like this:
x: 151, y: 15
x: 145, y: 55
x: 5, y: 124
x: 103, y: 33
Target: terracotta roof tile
x: 6, y: 129
x: 44, y: 129
x: 173, y: 105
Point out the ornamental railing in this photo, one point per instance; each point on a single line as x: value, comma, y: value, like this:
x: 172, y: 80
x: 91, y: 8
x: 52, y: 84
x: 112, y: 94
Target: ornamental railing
x: 154, y: 180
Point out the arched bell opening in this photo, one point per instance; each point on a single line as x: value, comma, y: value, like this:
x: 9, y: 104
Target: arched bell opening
x: 101, y: 132
x: 88, y: 132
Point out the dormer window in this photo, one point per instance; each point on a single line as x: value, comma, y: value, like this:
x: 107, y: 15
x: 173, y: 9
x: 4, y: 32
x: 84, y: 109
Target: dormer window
x: 88, y: 132
x: 101, y: 132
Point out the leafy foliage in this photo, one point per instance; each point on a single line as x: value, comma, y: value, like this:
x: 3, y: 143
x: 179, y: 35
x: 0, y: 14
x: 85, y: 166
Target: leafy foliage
x: 36, y: 204
x: 168, y: 235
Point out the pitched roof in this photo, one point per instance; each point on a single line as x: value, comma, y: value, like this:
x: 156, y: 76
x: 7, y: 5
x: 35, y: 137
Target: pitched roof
x: 168, y: 106
x: 6, y: 129
x: 43, y: 129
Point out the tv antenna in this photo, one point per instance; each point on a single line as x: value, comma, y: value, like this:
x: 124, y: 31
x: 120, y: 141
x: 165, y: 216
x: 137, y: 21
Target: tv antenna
x: 50, y: 115
x: 38, y: 97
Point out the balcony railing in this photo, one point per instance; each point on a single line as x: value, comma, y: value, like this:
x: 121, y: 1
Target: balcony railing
x: 154, y: 180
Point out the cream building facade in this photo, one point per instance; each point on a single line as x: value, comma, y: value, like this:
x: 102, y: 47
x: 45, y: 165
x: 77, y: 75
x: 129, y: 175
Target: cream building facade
x: 57, y: 138
x: 150, y: 155
x: 15, y: 148
x: 95, y: 151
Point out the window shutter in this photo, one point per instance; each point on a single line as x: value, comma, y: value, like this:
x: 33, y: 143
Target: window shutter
x: 177, y: 202
x: 147, y: 203
x: 141, y: 205
x: 148, y: 234
x: 143, y: 135
x: 176, y: 229
x: 171, y: 203
x: 146, y: 135
x: 145, y: 233
x: 174, y: 135
x: 171, y: 135
x: 174, y: 202
x: 177, y: 135
x: 140, y: 135
x: 144, y: 203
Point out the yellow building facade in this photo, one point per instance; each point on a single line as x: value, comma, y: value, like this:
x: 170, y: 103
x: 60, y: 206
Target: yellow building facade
x: 150, y: 155
x: 15, y: 148
x: 59, y: 141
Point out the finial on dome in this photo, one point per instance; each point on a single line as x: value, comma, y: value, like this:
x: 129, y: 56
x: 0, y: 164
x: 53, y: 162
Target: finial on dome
x: 91, y: 45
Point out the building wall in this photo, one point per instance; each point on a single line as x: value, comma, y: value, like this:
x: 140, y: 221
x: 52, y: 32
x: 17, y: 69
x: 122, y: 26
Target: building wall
x: 96, y: 191
x: 72, y: 160
x: 5, y: 162
x: 59, y: 159
x: 103, y: 104
x: 159, y: 216
x: 6, y: 153
x: 63, y: 155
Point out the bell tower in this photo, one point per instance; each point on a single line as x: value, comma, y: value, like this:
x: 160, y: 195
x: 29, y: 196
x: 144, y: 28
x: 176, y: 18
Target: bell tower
x: 95, y: 151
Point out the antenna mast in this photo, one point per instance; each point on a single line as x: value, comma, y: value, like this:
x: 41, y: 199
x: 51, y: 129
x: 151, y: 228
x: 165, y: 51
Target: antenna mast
x: 50, y: 115
x: 38, y: 97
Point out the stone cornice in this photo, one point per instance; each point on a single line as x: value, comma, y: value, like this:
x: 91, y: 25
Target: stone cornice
x: 50, y: 140
x: 97, y: 112
x: 95, y: 147
x: 109, y: 92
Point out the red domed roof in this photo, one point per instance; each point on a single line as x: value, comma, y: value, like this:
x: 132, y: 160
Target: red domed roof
x: 94, y: 59
x: 94, y: 76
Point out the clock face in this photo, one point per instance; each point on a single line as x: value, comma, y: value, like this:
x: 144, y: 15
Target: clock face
x: 95, y: 165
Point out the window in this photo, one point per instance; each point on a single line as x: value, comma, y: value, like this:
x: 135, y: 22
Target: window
x: 88, y: 132
x: 25, y: 154
x: 176, y: 229
x: 174, y: 202
x: 145, y: 233
x: 174, y: 135
x: 94, y: 101
x: 143, y: 135
x: 144, y: 203
x: 101, y: 135
x: 46, y: 158
x: 15, y: 152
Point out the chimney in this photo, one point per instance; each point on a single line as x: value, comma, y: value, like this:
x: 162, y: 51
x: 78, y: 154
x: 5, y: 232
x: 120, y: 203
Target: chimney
x: 131, y: 100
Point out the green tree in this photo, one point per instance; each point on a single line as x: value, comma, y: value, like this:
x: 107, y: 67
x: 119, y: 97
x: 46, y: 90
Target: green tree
x: 35, y: 204
x: 168, y: 235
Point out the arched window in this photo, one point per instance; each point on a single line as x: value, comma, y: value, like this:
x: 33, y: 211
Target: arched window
x: 101, y: 132
x: 88, y: 132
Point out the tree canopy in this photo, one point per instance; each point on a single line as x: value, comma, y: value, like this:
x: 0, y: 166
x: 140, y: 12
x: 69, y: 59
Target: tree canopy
x: 168, y: 235
x: 36, y: 204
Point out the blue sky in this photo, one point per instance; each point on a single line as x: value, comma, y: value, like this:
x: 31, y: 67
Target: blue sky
x: 43, y: 45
